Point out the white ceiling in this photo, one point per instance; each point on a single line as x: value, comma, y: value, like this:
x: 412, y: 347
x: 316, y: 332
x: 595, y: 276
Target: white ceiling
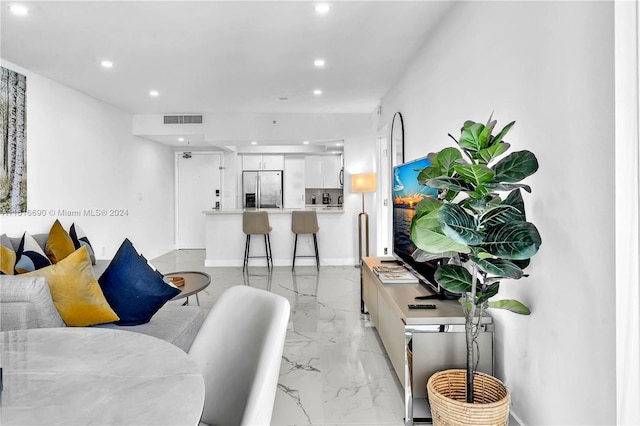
x: 221, y: 56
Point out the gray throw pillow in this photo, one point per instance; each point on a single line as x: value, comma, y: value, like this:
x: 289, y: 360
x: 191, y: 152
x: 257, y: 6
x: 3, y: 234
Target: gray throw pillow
x: 25, y: 302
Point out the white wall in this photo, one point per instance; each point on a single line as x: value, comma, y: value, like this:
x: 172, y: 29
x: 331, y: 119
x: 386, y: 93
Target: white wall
x: 627, y: 36
x: 549, y: 66
x: 81, y: 156
x: 359, y: 157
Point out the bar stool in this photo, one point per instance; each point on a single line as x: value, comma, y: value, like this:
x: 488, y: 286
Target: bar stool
x: 305, y: 222
x: 256, y: 223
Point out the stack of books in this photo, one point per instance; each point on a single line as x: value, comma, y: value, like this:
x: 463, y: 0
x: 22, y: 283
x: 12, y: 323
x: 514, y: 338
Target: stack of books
x: 394, y: 274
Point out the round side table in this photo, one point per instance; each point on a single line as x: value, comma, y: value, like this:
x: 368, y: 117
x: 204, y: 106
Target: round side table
x: 194, y: 282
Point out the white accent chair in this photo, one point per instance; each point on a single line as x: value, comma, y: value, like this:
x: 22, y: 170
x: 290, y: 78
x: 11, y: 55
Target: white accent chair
x: 239, y: 351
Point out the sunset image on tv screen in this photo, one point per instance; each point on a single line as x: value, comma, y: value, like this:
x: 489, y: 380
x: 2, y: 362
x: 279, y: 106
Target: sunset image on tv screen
x: 407, y: 192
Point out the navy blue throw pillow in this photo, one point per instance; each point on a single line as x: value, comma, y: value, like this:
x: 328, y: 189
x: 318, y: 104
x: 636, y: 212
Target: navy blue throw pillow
x: 134, y: 290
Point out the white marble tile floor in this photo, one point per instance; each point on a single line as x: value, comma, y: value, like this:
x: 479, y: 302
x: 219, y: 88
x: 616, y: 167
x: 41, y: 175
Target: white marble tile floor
x: 334, y: 369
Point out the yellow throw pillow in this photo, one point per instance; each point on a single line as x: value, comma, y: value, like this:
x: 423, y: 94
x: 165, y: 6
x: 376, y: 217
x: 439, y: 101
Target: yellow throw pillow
x: 59, y: 244
x: 75, y: 291
x: 7, y: 256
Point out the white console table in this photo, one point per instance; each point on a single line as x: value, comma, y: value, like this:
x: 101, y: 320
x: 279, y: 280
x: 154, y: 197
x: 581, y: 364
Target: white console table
x: 436, y: 335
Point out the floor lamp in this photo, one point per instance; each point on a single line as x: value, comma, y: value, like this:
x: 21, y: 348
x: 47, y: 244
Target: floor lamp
x: 363, y: 182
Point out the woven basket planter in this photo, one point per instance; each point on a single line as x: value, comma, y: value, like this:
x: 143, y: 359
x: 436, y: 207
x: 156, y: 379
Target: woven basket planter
x: 447, y: 397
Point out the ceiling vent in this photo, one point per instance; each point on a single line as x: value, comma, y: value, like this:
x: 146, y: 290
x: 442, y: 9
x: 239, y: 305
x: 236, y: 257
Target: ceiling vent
x: 182, y: 119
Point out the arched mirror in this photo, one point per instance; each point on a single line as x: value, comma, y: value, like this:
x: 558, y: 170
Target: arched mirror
x: 397, y: 139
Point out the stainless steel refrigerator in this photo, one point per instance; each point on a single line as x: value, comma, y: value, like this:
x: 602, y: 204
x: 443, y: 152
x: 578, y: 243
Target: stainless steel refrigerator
x: 262, y: 189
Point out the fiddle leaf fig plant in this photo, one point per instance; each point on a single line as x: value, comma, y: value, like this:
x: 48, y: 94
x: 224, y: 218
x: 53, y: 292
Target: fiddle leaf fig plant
x: 482, y: 236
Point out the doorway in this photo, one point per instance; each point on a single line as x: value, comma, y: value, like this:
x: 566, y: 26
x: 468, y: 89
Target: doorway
x: 385, y: 203
x: 198, y: 188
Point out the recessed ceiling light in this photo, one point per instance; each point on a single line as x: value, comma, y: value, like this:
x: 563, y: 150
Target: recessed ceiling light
x: 19, y: 10
x: 339, y: 143
x: 319, y: 62
x: 322, y: 8
x: 107, y: 64
x: 180, y: 139
x: 305, y: 142
x: 154, y: 93
x: 317, y: 92
x: 254, y: 142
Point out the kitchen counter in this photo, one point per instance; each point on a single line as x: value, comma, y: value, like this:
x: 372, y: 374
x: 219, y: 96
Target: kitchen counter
x: 225, y: 241
x: 315, y: 206
x: 320, y: 208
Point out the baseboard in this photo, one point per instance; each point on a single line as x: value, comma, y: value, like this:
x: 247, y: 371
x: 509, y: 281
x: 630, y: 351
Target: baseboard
x: 514, y: 420
x: 212, y: 263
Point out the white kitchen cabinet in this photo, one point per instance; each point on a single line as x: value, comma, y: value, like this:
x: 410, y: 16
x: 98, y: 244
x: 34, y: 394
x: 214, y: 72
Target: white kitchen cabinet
x: 273, y: 162
x: 262, y: 162
x: 294, y: 181
x: 251, y: 162
x: 330, y: 170
x: 313, y: 171
x: 322, y: 171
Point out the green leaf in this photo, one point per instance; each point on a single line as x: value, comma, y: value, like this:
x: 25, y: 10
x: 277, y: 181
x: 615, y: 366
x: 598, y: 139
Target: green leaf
x: 510, y: 305
x: 425, y: 207
x: 451, y: 184
x: 522, y: 263
x: 427, y: 235
x: 459, y: 225
x: 481, y: 254
x: 447, y: 158
x: 422, y: 256
x: 515, y: 167
x: 485, y: 203
x: 433, y: 158
x: 501, y: 214
x: 480, y: 193
x: 427, y: 173
x: 507, y: 186
x: 454, y: 278
x: 514, y: 240
x: 428, y: 204
x: 514, y: 199
x: 476, y: 173
x: 470, y: 138
x: 487, y: 155
x: 485, y: 134
x: 451, y: 195
x: 492, y: 280
x: 434, y: 242
x: 498, y: 138
x: 489, y: 292
x: 499, y: 267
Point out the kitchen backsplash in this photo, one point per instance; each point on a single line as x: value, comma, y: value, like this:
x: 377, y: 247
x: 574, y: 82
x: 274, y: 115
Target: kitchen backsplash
x: 335, y: 195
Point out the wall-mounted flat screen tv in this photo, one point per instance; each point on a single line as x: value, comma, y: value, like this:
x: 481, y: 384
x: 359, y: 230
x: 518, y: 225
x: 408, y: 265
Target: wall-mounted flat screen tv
x: 406, y: 194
